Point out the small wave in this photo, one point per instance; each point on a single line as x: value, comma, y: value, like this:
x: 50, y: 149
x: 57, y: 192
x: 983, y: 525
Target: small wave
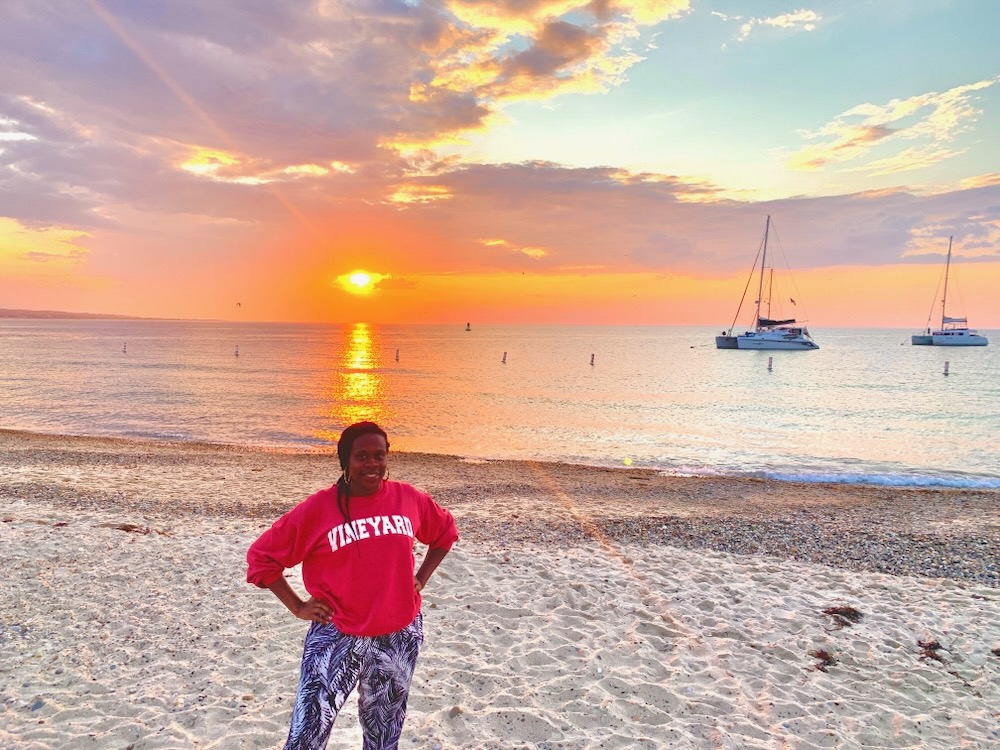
x: 888, y: 480
x: 819, y: 476
x: 152, y: 435
x: 291, y: 439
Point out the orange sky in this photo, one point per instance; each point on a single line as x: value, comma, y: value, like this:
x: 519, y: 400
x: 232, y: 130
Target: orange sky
x: 534, y: 164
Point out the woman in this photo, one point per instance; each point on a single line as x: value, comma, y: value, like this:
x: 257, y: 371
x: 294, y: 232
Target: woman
x: 355, y: 543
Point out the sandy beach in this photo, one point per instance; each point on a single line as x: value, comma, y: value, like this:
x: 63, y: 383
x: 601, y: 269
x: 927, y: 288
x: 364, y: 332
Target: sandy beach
x: 583, y: 608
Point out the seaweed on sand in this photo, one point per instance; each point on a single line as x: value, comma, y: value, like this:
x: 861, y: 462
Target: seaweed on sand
x: 930, y: 650
x: 825, y: 659
x: 843, y: 616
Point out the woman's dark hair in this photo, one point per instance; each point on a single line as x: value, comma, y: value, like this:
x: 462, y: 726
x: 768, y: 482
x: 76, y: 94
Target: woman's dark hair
x: 344, y: 447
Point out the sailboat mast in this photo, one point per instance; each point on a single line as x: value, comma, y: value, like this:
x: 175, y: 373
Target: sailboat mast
x: 763, y: 264
x: 944, y: 297
x: 770, y: 289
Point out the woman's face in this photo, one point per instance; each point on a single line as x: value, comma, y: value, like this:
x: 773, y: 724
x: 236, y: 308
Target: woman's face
x: 367, y: 463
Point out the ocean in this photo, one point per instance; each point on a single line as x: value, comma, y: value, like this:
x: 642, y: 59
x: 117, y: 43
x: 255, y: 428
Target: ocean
x: 866, y: 408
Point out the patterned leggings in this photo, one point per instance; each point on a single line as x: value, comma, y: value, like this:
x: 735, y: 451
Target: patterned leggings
x: 333, y: 663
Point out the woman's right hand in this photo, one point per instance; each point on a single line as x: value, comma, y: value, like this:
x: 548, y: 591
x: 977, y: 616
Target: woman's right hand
x: 314, y: 610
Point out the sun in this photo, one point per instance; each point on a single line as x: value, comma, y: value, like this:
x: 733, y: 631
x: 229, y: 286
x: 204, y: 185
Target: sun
x: 358, y: 282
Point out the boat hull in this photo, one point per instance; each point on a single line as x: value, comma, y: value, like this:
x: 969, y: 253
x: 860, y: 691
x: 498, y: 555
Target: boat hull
x: 726, y: 342
x: 761, y: 342
x: 954, y: 338
x: 783, y: 338
x: 921, y: 339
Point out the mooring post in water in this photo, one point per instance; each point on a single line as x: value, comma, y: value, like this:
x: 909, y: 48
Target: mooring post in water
x: 770, y: 362
x: 591, y: 360
x: 946, y: 367
x: 504, y: 360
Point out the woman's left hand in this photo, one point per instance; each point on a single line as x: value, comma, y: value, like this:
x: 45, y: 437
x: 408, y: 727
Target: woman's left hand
x: 418, y: 585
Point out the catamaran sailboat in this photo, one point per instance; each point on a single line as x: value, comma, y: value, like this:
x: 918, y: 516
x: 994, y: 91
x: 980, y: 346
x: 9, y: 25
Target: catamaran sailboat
x: 953, y: 331
x: 767, y: 333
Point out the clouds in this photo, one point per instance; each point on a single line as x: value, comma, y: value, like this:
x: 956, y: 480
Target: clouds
x: 542, y: 218
x: 798, y: 20
x: 498, y: 53
x: 292, y: 143
x: 931, y: 119
x: 274, y: 88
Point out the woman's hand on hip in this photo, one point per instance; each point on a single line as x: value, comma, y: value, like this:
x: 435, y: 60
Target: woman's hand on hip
x: 315, y: 611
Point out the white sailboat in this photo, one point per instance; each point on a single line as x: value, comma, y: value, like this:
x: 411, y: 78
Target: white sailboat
x: 767, y: 333
x: 953, y: 331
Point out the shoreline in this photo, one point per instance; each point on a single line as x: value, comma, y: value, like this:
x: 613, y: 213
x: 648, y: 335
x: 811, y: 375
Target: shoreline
x: 917, y: 479
x: 931, y: 532
x: 581, y: 609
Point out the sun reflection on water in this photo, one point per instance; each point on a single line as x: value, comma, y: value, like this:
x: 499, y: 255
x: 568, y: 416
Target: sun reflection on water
x: 357, y: 386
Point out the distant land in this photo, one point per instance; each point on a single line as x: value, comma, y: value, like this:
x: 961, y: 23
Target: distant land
x: 4, y: 313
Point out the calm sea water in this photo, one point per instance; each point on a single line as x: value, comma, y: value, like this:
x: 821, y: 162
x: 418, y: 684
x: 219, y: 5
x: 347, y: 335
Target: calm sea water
x: 865, y: 408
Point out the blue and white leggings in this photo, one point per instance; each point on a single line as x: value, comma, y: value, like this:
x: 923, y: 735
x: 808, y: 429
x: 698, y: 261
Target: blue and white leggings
x: 333, y: 664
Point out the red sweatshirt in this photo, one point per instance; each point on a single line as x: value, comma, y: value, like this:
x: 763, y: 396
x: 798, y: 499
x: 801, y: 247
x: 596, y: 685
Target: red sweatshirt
x: 363, y: 569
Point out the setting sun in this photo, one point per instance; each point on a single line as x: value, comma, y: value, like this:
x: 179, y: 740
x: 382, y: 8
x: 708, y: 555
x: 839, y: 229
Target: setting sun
x: 358, y: 282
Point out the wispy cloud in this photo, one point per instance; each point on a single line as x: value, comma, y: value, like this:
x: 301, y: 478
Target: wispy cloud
x: 907, y: 160
x: 799, y: 20
x: 22, y: 250
x: 535, y: 253
x: 932, y: 118
x: 991, y: 179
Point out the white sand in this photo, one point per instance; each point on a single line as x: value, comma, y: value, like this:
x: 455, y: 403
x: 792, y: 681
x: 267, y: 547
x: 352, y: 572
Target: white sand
x: 119, y: 639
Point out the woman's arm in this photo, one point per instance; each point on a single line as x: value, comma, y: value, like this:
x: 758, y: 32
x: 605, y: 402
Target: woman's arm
x: 432, y: 559
x: 311, y: 609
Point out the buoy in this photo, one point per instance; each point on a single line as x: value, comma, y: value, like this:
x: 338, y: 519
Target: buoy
x: 504, y: 360
x: 946, y: 367
x: 770, y: 362
x: 591, y: 360
x: 397, y: 355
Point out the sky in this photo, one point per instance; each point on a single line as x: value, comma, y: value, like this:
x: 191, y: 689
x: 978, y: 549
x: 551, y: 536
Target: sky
x: 527, y: 161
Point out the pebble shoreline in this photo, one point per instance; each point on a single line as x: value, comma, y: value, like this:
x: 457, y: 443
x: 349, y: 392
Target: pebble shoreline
x: 504, y: 505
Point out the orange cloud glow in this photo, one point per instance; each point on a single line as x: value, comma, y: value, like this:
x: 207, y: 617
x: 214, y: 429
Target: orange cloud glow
x: 26, y: 252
